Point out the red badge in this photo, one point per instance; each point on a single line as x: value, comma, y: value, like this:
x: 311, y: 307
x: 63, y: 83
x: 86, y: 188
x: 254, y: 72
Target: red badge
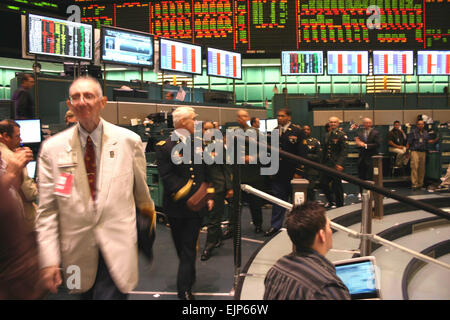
x: 63, y: 186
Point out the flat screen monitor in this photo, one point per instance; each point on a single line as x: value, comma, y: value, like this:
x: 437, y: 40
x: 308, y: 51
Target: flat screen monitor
x: 433, y: 63
x: 30, y: 130
x: 271, y: 124
x: 226, y: 64
x: 348, y: 62
x: 59, y: 38
x: 31, y: 169
x: 301, y: 63
x: 360, y: 277
x: 177, y: 56
x: 393, y: 62
x: 127, y: 47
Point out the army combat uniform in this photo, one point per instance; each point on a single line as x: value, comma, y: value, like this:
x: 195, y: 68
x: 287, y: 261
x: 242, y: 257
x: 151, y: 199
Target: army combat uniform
x: 334, y: 153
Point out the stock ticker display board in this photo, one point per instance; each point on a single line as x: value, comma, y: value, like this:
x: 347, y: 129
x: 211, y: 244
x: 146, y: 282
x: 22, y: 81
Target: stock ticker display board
x: 270, y: 26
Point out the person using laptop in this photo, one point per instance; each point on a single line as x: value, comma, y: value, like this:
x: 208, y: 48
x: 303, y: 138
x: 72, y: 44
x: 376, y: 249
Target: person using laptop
x: 306, y: 274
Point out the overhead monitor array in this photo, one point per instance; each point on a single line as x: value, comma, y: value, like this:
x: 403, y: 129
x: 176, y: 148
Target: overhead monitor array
x: 64, y: 39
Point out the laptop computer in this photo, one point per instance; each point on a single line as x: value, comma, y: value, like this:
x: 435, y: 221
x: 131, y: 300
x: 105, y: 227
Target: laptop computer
x: 360, y: 276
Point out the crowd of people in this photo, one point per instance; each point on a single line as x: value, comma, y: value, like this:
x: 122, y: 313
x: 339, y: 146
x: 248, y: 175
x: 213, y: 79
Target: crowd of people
x: 92, y: 181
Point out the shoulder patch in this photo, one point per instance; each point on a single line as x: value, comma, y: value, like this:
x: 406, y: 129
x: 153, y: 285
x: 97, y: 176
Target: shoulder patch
x: 161, y: 143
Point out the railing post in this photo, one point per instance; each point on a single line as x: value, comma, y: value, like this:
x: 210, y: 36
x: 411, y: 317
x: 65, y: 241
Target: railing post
x: 378, y: 178
x: 366, y: 223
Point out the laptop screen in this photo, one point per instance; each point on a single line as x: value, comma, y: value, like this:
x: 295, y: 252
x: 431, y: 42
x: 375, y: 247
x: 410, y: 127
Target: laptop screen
x: 360, y: 278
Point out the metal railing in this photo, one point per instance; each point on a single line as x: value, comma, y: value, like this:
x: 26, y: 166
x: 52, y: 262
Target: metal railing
x: 351, y: 233
x: 365, y: 185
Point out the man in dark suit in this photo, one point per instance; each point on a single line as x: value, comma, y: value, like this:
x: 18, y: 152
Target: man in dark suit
x: 220, y: 176
x: 292, y: 140
x: 181, y: 178
x: 24, y: 104
x: 368, y: 140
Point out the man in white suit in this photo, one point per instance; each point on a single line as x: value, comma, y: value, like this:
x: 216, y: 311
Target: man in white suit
x: 92, y: 177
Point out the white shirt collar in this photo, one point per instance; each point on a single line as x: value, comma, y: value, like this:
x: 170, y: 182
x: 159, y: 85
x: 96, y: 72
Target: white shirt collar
x: 181, y: 136
x: 95, y: 135
x: 284, y: 128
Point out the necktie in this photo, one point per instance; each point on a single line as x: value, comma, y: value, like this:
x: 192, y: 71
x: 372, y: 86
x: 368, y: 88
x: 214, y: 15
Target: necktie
x: 89, y: 162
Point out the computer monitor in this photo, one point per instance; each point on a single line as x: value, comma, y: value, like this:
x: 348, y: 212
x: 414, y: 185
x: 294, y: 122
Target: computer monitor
x: 226, y: 64
x: 31, y: 169
x: 180, y: 57
x: 393, y: 62
x: 360, y: 277
x: 348, y: 62
x: 59, y: 38
x: 301, y: 63
x: 30, y: 130
x: 129, y: 47
x: 433, y: 63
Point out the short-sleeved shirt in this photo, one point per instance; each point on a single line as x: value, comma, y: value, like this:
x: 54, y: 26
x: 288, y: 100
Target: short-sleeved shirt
x: 418, y: 140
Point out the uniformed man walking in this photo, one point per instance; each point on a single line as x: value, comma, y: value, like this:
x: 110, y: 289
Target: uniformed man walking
x: 292, y: 140
x: 334, y: 155
x: 181, y: 179
x: 314, y: 153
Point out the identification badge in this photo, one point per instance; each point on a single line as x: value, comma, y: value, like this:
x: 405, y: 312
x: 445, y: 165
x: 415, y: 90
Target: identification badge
x: 63, y: 186
x: 420, y: 140
x: 67, y: 159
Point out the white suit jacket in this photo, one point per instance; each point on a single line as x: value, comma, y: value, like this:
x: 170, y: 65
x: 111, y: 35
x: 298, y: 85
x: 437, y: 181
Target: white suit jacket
x: 70, y: 229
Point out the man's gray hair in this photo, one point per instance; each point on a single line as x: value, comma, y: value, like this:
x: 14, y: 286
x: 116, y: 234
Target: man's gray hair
x: 181, y: 113
x: 98, y: 87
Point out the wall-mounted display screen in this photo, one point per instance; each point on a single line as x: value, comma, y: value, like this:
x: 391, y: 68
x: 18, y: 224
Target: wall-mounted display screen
x: 301, y: 63
x: 433, y: 62
x: 179, y: 56
x: 59, y: 38
x: 393, y: 62
x: 347, y: 62
x: 127, y: 47
x: 30, y: 130
x: 221, y: 63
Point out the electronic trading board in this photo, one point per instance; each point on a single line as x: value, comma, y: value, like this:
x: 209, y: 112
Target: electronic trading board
x: 271, y: 26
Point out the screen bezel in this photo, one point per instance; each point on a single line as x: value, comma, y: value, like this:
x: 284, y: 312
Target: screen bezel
x: 429, y: 74
x: 179, y: 71
x: 367, y: 295
x: 302, y: 74
x: 20, y: 123
x: 102, y: 43
x: 348, y: 74
x: 220, y: 76
x: 61, y: 57
x: 393, y: 74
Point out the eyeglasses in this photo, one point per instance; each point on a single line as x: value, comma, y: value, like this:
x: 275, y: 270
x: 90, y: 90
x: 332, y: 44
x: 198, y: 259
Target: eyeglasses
x: 87, y: 97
